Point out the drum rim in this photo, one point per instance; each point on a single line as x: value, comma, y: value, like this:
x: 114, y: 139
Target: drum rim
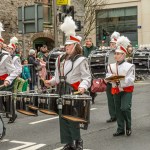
x: 5, y: 93
x: 49, y: 95
x: 77, y: 96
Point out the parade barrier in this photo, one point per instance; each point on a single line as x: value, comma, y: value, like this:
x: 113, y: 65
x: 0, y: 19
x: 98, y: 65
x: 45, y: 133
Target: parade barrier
x: 141, y: 59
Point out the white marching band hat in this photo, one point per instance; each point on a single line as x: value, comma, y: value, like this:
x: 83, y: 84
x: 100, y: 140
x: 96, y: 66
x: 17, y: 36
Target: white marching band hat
x: 69, y: 27
x: 122, y: 44
x: 115, y: 35
x: 13, y: 42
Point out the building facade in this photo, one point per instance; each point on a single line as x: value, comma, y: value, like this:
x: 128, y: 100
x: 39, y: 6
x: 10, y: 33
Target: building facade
x: 129, y: 17
x: 11, y: 17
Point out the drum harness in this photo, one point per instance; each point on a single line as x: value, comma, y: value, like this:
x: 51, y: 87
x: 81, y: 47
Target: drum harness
x: 63, y: 87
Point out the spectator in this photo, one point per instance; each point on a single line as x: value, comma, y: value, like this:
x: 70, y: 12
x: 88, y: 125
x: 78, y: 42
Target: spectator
x: 33, y: 69
x: 25, y: 74
x: 87, y: 49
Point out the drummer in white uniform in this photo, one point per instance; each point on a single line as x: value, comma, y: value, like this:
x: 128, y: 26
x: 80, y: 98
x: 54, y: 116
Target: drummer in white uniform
x: 18, y: 84
x: 7, y: 70
x: 72, y: 74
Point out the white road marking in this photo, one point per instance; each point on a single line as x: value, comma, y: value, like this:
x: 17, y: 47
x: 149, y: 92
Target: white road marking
x: 34, y: 147
x: 93, y: 108
x: 4, y: 140
x: 53, y: 118
x: 25, y: 144
x: 141, y: 83
x: 62, y: 147
x: 44, y: 120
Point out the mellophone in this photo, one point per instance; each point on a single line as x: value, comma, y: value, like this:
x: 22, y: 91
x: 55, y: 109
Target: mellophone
x: 74, y: 107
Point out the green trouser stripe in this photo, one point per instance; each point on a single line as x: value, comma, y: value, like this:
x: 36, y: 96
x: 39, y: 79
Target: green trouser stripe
x: 18, y: 85
x: 111, y: 101
x: 69, y: 130
x: 25, y: 86
x: 123, y: 102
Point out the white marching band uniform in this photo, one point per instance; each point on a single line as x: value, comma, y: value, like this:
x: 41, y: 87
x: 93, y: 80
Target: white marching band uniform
x: 17, y: 63
x: 78, y: 73
x: 6, y: 67
x: 126, y: 69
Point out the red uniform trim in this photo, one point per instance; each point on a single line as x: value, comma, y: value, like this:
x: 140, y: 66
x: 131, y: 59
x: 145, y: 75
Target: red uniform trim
x: 3, y: 77
x: 1, y: 40
x: 74, y: 39
x: 128, y: 89
x: 75, y: 85
x: 115, y: 90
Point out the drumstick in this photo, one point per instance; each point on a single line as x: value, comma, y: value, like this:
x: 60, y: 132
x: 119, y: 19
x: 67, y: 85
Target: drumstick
x: 2, y: 86
x: 77, y: 92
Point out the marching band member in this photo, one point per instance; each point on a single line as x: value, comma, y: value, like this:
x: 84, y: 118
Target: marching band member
x: 72, y: 73
x: 18, y: 84
x: 7, y: 69
x: 111, y: 102
x: 122, y: 89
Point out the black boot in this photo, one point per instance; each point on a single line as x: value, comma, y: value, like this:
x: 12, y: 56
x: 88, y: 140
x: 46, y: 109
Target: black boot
x: 3, y: 134
x: 69, y: 146
x: 79, y: 144
x: 12, y: 119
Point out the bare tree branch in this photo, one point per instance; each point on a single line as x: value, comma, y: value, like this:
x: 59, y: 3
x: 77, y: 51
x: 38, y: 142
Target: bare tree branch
x: 90, y: 18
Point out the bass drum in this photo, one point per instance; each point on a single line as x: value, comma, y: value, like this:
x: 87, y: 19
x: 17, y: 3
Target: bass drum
x: 98, y: 61
x: 141, y: 60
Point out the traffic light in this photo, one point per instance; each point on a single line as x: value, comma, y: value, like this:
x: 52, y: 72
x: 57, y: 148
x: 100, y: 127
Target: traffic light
x: 66, y: 11
x: 105, y: 34
x: 70, y: 11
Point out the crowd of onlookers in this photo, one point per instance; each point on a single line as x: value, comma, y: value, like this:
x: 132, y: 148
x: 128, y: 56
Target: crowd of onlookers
x: 34, y: 67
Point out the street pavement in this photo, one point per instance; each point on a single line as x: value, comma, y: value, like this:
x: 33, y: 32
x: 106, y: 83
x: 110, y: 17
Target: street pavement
x: 42, y: 132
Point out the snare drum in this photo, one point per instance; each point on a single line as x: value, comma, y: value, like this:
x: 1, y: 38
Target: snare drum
x: 5, y: 102
x: 25, y: 104
x: 48, y: 103
x: 76, y: 108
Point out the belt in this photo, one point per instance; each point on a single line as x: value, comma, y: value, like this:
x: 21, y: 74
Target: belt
x: 115, y: 90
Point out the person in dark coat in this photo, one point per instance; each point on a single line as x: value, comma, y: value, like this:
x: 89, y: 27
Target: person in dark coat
x: 34, y: 62
x: 87, y: 49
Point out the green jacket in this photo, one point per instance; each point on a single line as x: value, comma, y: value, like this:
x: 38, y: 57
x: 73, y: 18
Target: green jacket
x: 87, y: 51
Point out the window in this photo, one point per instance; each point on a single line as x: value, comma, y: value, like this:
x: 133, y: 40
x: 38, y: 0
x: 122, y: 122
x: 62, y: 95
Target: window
x: 123, y: 20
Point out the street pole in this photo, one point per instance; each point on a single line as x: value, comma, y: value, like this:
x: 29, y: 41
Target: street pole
x: 55, y: 23
x: 23, y: 32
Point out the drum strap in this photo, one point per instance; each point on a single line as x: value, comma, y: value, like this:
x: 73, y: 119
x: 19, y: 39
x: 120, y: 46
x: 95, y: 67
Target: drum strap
x: 116, y: 69
x: 1, y: 55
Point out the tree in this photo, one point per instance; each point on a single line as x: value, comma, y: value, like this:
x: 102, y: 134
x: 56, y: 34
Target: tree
x: 90, y: 18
